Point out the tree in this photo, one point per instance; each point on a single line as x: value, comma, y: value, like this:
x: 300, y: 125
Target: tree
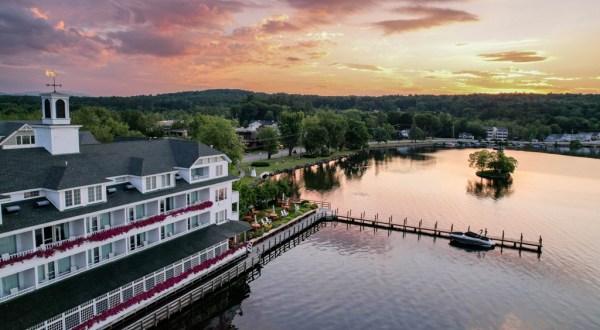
x: 380, y: 134
x: 492, y: 164
x: 480, y: 159
x: 428, y: 122
x: 269, y: 137
x: 335, y: 125
x: 219, y: 133
x: 101, y: 122
x: 357, y: 135
x: 315, y: 136
x: 290, y: 127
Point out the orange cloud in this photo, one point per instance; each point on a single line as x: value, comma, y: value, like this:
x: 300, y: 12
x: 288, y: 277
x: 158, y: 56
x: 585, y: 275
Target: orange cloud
x: 514, y: 56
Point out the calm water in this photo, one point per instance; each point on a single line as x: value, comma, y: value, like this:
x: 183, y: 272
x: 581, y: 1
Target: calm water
x: 343, y: 278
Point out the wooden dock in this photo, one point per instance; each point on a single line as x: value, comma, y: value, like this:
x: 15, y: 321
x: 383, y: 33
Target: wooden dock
x: 501, y: 241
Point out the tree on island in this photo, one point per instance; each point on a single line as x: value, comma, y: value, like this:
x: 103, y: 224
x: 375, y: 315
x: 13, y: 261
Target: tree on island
x: 493, y: 165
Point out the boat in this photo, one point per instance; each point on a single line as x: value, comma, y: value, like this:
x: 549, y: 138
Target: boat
x: 472, y: 239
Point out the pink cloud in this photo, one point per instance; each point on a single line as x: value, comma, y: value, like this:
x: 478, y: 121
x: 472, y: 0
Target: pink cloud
x: 428, y: 17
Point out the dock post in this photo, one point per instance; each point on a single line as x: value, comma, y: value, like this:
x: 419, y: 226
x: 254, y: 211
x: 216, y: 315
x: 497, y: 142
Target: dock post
x: 405, y: 224
x: 451, y: 227
x: 521, y: 245
x: 420, y: 222
x: 540, y: 246
x: 469, y: 228
x: 502, y: 238
x: 485, y: 233
x: 435, y: 229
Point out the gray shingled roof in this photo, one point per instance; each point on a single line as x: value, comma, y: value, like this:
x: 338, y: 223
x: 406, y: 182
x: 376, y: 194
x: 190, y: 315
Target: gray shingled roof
x: 59, y: 297
x: 86, y: 137
x: 31, y: 168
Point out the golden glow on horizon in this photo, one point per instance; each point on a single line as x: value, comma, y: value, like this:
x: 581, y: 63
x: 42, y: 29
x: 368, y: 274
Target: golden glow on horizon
x: 309, y: 47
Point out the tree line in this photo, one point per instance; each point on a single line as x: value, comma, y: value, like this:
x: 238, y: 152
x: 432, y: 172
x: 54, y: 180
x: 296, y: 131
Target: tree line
x: 322, y: 123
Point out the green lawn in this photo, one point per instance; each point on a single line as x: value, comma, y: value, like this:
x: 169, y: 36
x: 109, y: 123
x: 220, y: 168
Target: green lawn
x: 287, y: 162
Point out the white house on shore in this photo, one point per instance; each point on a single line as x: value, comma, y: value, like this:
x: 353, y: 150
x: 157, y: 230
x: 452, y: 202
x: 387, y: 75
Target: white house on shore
x: 497, y: 133
x: 88, y: 228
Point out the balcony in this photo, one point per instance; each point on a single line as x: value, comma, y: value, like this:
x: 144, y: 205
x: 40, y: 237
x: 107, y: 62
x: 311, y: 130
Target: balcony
x: 104, y: 234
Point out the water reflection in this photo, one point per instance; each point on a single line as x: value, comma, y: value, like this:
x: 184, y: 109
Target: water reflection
x: 355, y: 167
x: 489, y: 188
x: 322, y: 178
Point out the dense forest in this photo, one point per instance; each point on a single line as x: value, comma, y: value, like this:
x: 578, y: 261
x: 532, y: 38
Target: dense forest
x: 526, y: 116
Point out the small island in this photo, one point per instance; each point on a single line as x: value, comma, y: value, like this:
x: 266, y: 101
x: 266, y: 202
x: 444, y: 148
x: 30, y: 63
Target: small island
x: 492, y: 164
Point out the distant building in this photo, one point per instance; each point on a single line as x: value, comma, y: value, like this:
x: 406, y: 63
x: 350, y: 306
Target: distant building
x: 249, y: 134
x: 497, y: 133
x: 465, y: 135
x: 583, y: 137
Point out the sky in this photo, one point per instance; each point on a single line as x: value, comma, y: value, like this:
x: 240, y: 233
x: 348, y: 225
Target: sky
x: 335, y: 47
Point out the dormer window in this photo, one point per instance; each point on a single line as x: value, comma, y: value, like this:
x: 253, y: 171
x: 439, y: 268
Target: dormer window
x: 94, y: 194
x: 25, y: 139
x: 199, y: 173
x: 151, y: 183
x: 219, y: 170
x: 72, y: 197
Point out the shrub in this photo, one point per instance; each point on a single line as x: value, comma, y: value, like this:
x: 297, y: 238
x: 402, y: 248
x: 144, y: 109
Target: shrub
x: 260, y: 164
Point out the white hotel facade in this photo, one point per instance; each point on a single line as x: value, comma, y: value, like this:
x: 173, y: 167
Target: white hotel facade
x: 85, y: 227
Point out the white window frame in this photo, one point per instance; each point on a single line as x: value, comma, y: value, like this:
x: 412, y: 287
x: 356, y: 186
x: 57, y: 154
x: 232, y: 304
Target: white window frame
x: 94, y: 194
x: 220, y: 216
x: 219, y: 170
x: 72, y: 197
x: 220, y: 194
x: 151, y: 183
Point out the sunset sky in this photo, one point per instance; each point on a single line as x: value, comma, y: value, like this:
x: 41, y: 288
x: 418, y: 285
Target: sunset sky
x: 337, y: 47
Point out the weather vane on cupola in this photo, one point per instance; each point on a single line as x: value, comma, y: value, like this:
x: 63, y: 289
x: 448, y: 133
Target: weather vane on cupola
x: 50, y: 73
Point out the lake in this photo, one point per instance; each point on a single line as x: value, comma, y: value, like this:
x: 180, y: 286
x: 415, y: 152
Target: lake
x: 348, y: 278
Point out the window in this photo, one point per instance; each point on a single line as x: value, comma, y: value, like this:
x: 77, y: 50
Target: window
x: 31, y: 194
x: 8, y: 245
x: 72, y: 197
x: 51, y: 234
x: 41, y: 273
x: 193, y: 222
x: 193, y: 197
x: 106, y: 250
x: 167, y: 231
x: 64, y: 265
x: 140, y: 211
x: 221, y: 216
x: 94, y: 256
x: 137, y: 241
x: 10, y: 282
x: 166, y: 180
x: 151, y: 183
x: 92, y: 225
x: 166, y: 205
x: 94, y: 194
x: 199, y: 173
x: 219, y: 170
x: 25, y: 139
x: 105, y: 220
x: 220, y: 194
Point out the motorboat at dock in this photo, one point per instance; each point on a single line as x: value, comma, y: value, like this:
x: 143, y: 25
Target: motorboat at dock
x: 472, y: 239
